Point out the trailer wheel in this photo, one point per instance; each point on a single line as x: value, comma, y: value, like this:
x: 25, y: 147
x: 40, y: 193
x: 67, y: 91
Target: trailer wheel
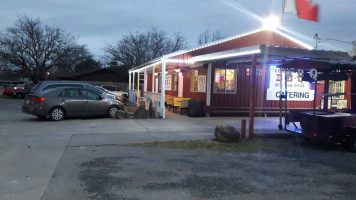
x: 350, y: 143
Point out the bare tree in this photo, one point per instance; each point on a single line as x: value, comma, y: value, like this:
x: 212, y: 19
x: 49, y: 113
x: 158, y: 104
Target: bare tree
x: 137, y: 48
x: 80, y: 60
x: 34, y: 47
x: 208, y: 37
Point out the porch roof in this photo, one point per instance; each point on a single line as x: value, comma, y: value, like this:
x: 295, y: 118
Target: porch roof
x: 267, y: 54
x: 227, y: 47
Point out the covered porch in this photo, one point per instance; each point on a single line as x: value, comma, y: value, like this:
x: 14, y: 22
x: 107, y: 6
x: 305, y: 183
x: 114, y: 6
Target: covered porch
x: 147, y: 83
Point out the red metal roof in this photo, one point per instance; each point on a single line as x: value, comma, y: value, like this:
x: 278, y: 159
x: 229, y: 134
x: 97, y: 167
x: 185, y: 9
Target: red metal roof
x: 259, y: 37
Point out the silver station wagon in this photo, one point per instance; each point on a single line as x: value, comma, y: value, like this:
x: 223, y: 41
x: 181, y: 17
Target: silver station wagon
x: 62, y: 102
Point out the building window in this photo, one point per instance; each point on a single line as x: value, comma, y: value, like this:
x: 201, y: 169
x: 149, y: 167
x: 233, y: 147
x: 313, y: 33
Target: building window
x: 174, y: 81
x: 194, y: 81
x: 171, y: 82
x: 337, y: 87
x: 225, y: 81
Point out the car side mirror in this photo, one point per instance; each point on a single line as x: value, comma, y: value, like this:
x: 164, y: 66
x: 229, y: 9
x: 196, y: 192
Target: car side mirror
x: 102, y: 96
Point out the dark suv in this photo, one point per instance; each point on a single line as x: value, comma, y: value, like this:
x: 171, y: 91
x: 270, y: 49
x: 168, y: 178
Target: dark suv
x: 45, y: 85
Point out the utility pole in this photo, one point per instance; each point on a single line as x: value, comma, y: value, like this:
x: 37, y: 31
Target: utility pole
x: 318, y: 40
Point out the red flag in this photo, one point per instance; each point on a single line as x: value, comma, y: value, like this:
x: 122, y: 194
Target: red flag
x: 307, y: 10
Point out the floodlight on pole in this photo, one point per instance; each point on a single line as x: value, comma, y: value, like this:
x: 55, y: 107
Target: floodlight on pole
x: 272, y: 22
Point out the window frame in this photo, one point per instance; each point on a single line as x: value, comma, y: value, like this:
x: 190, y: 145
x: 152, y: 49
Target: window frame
x: 236, y: 72
x: 337, y: 87
x: 195, y: 74
x: 88, y: 98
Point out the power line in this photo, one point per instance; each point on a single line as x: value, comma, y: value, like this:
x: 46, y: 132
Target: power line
x: 318, y: 40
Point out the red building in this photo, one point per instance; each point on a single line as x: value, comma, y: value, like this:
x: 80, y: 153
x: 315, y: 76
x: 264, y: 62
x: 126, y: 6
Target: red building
x: 233, y: 74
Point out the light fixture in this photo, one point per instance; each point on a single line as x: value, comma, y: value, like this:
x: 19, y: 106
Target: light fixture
x: 156, y: 74
x: 271, y: 23
x: 177, y: 69
x: 165, y: 72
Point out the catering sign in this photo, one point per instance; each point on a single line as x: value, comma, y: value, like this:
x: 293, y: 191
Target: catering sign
x: 297, y: 90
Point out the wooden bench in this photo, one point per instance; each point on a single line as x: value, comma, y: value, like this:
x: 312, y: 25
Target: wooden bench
x: 169, y: 100
x: 244, y: 110
x: 177, y: 102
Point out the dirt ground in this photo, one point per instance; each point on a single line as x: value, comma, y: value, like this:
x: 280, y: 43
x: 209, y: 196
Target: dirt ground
x: 268, y: 169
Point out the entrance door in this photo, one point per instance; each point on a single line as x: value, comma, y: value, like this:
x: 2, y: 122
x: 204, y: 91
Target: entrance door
x: 180, y: 85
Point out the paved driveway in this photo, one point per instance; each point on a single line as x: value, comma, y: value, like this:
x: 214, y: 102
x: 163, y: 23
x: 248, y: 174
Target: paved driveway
x: 85, y: 159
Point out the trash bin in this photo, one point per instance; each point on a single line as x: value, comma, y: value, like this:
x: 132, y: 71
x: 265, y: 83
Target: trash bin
x: 195, y: 108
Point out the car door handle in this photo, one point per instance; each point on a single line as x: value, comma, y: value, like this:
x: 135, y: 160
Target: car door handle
x: 85, y: 101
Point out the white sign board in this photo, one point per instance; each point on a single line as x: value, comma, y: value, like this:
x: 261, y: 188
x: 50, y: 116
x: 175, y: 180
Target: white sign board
x: 297, y: 90
x: 168, y: 82
x: 202, y: 83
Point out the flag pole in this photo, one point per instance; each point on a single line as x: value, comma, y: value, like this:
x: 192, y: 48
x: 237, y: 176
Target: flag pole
x: 280, y: 126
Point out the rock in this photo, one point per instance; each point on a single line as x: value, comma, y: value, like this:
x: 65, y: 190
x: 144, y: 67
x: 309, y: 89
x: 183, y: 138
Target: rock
x: 121, y: 114
x: 141, y: 112
x: 152, y: 111
x: 226, y: 133
x: 130, y: 115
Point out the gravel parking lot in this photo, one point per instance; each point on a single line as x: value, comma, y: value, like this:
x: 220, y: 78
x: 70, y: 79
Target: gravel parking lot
x: 93, y: 159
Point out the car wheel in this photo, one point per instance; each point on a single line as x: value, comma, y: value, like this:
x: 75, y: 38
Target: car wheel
x: 350, y: 143
x: 41, y: 117
x: 112, y: 111
x: 56, y: 114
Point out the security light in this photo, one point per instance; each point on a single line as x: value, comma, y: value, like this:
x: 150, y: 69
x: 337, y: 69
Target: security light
x: 272, y: 22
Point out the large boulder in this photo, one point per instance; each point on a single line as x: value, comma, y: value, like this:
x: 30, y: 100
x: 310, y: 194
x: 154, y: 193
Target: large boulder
x: 123, y: 114
x: 141, y: 112
x: 226, y: 133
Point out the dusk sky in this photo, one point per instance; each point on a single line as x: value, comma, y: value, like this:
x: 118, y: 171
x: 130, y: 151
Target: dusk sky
x: 98, y: 23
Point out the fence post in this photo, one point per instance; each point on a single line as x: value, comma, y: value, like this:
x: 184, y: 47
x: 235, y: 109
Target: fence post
x: 243, y: 129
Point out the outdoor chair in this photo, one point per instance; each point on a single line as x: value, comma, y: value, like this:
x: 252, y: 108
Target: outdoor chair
x: 183, y: 105
x: 177, y: 102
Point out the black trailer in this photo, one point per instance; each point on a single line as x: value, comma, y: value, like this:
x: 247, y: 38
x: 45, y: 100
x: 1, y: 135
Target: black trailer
x: 330, y: 127
x: 323, y: 125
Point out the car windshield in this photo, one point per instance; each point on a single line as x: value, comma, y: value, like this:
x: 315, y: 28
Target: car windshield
x: 101, y: 89
x: 36, y: 86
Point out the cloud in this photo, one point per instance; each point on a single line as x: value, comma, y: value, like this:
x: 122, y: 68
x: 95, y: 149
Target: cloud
x: 98, y: 22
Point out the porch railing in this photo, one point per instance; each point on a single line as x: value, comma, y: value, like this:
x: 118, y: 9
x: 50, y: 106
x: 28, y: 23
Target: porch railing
x: 133, y: 96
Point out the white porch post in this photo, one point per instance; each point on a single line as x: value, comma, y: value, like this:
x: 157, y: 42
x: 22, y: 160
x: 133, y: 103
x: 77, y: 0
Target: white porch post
x: 163, y: 89
x: 129, y: 81
x: 153, y: 79
x: 138, y: 88
x: 133, y: 80
x: 145, y: 80
x: 208, y: 86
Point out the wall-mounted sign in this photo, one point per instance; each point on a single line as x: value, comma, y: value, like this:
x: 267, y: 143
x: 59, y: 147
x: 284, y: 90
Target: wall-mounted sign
x: 202, y: 83
x: 168, y: 82
x: 313, y: 74
x: 297, y: 90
